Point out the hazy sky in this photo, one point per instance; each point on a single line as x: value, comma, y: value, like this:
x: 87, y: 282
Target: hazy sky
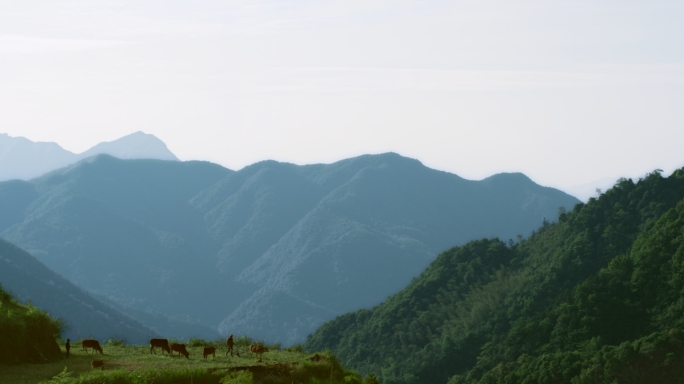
x: 567, y: 92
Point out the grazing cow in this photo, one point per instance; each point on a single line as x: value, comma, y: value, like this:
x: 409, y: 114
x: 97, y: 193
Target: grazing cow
x: 180, y: 348
x: 209, y: 351
x: 230, y: 343
x: 94, y: 344
x: 258, y: 349
x: 97, y: 364
x: 159, y: 343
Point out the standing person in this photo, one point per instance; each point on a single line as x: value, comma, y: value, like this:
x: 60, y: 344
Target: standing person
x: 68, y: 347
x: 229, y: 344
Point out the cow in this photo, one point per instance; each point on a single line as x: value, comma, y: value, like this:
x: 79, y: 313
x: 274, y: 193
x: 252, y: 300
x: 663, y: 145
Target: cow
x: 90, y: 343
x: 97, y: 364
x: 209, y: 351
x: 180, y: 348
x: 159, y: 343
x: 258, y: 349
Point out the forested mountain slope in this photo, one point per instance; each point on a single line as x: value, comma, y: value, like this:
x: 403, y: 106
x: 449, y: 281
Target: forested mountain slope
x: 624, y: 324
x: 272, y: 250
x: 29, y: 280
x: 27, y: 334
x: 492, y: 312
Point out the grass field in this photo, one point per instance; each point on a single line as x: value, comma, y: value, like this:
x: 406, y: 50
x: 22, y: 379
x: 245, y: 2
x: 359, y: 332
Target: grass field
x: 134, y: 364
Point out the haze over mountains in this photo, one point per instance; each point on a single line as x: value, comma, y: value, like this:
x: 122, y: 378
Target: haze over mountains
x: 272, y: 250
x: 30, y: 280
x: 24, y: 159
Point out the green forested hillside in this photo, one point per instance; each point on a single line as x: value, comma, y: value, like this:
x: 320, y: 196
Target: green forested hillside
x: 27, y: 334
x: 624, y: 323
x: 559, y: 303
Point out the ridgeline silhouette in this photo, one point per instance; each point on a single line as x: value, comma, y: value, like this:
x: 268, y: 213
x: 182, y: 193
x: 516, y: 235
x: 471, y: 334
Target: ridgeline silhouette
x: 272, y: 250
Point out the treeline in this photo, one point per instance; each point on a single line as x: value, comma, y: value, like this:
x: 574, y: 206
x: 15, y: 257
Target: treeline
x: 27, y: 334
x: 594, y: 297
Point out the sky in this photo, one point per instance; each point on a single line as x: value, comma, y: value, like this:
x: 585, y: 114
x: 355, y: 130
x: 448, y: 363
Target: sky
x: 570, y: 93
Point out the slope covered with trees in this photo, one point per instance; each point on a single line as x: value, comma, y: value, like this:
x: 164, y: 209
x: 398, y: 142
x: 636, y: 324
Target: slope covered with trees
x: 27, y: 334
x: 595, y: 296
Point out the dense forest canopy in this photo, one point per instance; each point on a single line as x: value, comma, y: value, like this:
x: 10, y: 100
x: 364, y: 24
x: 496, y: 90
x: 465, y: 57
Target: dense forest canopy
x: 27, y: 334
x: 595, y: 296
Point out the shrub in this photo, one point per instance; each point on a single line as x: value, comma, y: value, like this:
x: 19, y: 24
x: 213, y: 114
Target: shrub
x: 295, y: 348
x: 115, y: 342
x: 29, y: 334
x: 275, y: 347
x: 196, y: 342
x: 244, y: 341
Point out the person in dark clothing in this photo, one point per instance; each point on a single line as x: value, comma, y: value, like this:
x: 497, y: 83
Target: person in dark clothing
x: 229, y: 344
x: 68, y: 347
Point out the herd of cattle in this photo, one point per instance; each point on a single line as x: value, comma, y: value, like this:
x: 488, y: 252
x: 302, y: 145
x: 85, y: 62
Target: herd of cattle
x: 175, y: 347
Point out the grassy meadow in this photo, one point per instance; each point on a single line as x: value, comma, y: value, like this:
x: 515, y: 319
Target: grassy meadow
x: 134, y: 364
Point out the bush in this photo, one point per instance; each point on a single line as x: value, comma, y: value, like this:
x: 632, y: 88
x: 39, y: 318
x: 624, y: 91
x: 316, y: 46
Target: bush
x: 295, y: 348
x: 196, y: 342
x: 115, y: 342
x: 244, y: 341
x: 275, y: 347
x: 371, y: 379
x: 29, y: 334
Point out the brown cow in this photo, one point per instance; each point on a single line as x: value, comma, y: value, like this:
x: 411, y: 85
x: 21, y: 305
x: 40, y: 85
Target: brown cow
x: 97, y: 364
x: 90, y: 343
x: 159, y: 343
x: 209, y: 351
x: 258, y: 349
x: 180, y: 348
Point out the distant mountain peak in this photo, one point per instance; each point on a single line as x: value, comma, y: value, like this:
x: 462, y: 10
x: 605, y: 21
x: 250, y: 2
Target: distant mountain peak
x: 21, y: 158
x: 382, y: 159
x: 509, y: 177
x: 137, y: 145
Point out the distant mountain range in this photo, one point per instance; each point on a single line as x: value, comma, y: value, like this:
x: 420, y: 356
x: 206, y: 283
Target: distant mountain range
x: 272, y: 250
x: 30, y: 280
x: 24, y: 159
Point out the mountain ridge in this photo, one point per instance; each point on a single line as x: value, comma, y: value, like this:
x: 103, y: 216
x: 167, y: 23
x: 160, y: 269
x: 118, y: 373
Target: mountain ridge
x: 157, y: 235
x: 21, y: 158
